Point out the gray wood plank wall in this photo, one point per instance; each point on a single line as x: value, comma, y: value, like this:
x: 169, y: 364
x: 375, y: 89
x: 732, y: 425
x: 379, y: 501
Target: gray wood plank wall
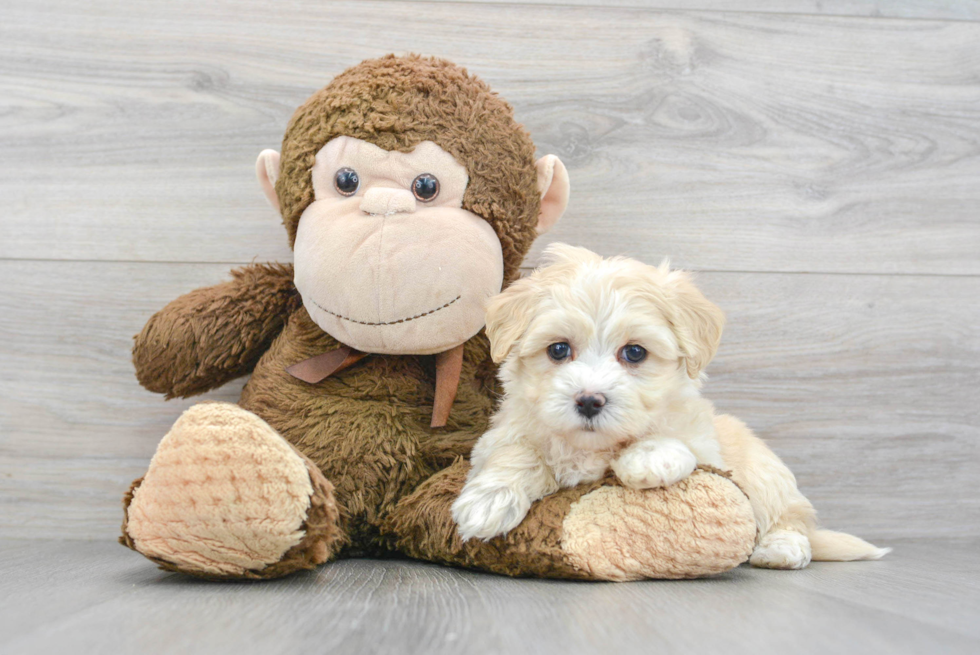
x: 817, y: 162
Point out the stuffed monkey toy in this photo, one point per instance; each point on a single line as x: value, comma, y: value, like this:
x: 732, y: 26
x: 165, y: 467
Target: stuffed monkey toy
x: 410, y: 196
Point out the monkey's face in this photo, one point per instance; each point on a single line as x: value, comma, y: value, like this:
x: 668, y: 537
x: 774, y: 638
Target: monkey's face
x: 387, y: 260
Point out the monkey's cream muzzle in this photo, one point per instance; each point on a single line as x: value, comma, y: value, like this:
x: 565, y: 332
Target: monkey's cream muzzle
x: 383, y: 272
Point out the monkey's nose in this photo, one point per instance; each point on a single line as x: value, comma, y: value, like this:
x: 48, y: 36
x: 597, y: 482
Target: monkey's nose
x: 384, y: 201
x: 589, y: 404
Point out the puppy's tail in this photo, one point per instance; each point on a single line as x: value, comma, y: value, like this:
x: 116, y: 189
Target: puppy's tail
x: 830, y: 546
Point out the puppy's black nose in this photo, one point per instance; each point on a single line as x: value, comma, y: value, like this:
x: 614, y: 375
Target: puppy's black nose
x: 589, y: 404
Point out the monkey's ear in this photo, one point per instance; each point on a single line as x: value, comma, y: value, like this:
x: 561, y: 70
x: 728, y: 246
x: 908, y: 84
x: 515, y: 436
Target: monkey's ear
x: 508, y: 316
x: 553, y: 187
x: 267, y: 170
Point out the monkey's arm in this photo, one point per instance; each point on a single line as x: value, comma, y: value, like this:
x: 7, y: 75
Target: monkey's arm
x: 212, y: 335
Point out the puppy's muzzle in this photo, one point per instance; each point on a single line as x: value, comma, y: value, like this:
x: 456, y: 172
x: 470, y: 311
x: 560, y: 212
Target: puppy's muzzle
x: 589, y: 404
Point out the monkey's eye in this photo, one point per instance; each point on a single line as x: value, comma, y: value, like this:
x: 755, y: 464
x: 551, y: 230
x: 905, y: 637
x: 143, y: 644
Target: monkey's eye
x: 633, y: 354
x: 346, y: 181
x: 425, y: 187
x: 559, y: 351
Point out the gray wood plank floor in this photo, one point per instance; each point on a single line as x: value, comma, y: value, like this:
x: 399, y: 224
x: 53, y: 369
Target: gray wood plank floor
x: 93, y: 597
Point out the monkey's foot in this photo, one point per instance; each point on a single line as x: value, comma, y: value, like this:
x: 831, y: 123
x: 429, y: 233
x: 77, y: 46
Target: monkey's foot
x: 703, y: 525
x: 227, y: 497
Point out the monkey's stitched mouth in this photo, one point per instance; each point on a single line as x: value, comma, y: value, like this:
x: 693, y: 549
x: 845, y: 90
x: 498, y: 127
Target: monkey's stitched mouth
x: 401, y: 320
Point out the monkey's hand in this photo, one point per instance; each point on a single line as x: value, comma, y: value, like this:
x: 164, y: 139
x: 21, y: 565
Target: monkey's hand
x: 212, y: 335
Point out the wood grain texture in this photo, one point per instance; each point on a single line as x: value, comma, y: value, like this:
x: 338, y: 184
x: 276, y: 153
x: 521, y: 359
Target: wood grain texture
x: 866, y: 385
x: 93, y: 597
x: 928, y: 9
x: 732, y: 141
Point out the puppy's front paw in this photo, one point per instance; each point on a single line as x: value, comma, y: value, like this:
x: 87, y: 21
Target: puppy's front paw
x: 485, y: 513
x: 645, y: 466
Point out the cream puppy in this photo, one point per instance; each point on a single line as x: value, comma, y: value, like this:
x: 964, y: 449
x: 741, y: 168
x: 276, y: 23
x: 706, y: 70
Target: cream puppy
x: 602, y: 362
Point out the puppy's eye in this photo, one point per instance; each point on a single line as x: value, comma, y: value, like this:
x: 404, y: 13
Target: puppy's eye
x: 425, y: 187
x: 346, y: 181
x: 559, y: 351
x: 633, y: 354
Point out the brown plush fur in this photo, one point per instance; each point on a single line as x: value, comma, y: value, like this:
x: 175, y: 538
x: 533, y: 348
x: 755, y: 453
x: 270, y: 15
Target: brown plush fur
x: 209, y: 336
x: 531, y: 549
x: 366, y: 428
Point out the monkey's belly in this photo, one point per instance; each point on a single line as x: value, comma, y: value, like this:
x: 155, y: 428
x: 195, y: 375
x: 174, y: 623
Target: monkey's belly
x: 366, y: 428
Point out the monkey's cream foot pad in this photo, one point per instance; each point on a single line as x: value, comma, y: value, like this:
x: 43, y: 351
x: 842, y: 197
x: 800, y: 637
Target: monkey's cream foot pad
x: 225, y: 495
x: 702, y: 525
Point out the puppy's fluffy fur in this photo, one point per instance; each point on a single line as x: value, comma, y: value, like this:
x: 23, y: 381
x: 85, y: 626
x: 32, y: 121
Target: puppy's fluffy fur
x: 568, y: 415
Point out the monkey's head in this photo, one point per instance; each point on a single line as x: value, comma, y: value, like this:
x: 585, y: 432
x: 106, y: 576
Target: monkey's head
x: 410, y: 196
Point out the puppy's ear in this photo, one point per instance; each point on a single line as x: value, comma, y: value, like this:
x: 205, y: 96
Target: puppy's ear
x: 508, y: 316
x: 697, y: 322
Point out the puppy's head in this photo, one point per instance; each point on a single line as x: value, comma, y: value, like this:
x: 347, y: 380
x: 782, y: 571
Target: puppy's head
x: 593, y: 347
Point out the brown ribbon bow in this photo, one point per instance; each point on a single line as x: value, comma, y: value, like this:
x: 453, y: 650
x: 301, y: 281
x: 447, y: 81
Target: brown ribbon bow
x: 449, y: 365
